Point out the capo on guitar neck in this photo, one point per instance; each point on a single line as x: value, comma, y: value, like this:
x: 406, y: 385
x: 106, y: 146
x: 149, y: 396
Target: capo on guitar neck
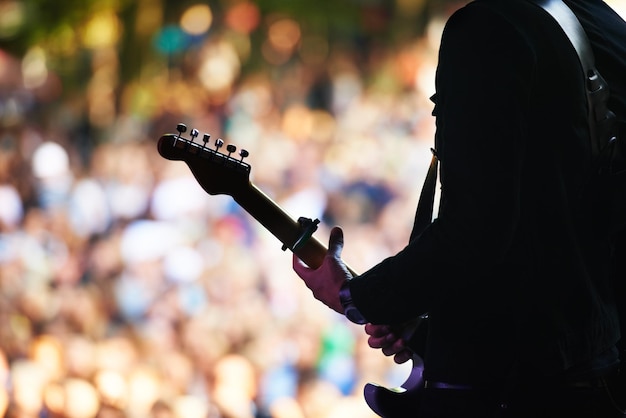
x: 307, y: 227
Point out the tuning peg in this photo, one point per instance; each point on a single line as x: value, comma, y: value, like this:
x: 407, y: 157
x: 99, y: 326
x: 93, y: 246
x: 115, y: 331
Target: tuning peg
x: 219, y: 143
x: 231, y: 148
x: 181, y: 127
x: 205, y: 139
x: 243, y: 154
x: 194, y: 134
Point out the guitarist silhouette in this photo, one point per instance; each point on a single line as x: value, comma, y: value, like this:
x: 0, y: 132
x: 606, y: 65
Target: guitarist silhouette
x: 513, y: 278
x: 514, y: 272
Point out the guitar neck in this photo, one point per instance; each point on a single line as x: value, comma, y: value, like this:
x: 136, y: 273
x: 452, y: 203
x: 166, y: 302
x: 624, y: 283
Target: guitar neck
x: 280, y: 224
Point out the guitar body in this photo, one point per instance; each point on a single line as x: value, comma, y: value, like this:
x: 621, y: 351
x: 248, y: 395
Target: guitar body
x: 397, y: 402
x: 223, y: 173
x: 404, y: 400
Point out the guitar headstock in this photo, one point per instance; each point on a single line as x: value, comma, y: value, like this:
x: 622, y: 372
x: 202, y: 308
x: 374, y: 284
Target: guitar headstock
x: 216, y: 171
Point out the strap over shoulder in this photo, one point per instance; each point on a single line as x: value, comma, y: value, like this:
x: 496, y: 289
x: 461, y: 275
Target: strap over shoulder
x: 602, y: 121
x: 572, y: 28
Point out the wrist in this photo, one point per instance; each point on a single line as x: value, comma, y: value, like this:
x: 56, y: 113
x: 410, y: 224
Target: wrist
x: 349, y: 309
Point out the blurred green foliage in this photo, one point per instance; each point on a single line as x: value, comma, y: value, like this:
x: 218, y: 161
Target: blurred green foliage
x: 58, y: 28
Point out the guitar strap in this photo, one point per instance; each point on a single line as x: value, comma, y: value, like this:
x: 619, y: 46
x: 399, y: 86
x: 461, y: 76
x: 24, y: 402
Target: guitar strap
x: 602, y: 122
x: 426, y: 202
x: 572, y: 28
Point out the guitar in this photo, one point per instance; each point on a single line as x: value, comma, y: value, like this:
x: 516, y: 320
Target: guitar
x: 227, y: 173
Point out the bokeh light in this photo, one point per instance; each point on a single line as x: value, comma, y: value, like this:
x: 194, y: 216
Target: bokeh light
x: 243, y: 17
x: 80, y: 399
x: 284, y: 35
x: 170, y: 39
x: 102, y: 30
x: 112, y: 388
x: 219, y: 67
x: 34, y: 68
x: 197, y: 19
x: 12, y: 15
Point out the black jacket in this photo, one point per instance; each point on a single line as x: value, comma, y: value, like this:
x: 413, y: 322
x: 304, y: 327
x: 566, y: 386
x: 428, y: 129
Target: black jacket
x: 512, y: 271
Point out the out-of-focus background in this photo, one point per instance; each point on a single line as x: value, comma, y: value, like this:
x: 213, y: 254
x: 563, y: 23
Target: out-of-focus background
x: 126, y: 290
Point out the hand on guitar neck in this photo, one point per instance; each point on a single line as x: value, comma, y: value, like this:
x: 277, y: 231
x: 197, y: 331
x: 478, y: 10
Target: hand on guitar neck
x: 326, y: 280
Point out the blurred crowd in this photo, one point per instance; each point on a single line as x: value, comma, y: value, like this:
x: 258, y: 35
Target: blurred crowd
x: 127, y: 291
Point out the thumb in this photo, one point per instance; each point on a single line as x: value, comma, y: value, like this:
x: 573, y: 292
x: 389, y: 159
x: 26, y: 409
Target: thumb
x: 299, y: 266
x: 335, y: 242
